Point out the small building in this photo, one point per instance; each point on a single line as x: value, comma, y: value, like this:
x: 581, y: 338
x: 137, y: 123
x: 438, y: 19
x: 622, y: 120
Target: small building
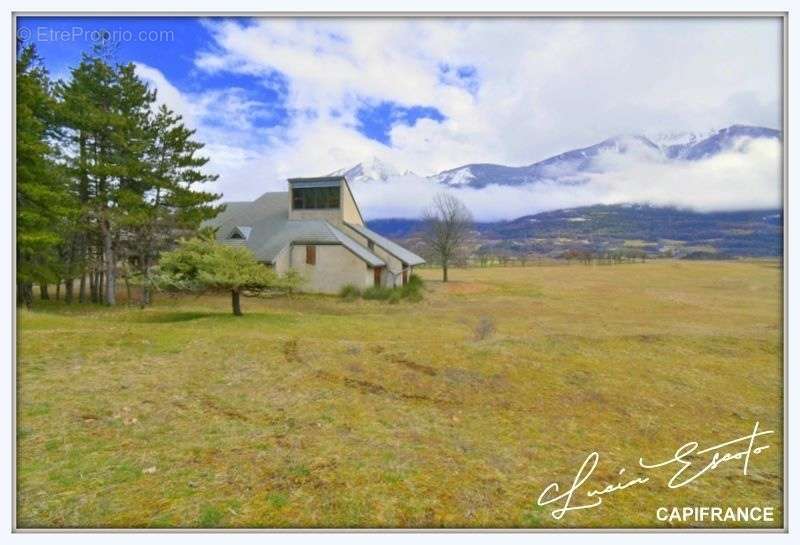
x: 316, y: 229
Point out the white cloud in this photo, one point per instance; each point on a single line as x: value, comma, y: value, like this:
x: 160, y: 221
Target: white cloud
x: 545, y: 86
x: 745, y: 176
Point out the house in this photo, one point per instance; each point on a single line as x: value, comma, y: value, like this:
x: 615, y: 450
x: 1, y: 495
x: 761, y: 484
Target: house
x: 316, y: 229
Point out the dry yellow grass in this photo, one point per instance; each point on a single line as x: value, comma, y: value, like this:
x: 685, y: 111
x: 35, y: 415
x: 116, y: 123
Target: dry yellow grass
x: 312, y: 411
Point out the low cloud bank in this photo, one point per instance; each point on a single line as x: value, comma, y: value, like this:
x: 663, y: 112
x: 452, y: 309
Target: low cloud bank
x: 746, y: 176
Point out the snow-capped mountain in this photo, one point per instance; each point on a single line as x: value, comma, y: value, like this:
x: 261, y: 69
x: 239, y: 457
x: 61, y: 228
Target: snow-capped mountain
x: 567, y: 168
x: 372, y: 169
x: 673, y: 143
x: 725, y: 139
x: 574, y: 167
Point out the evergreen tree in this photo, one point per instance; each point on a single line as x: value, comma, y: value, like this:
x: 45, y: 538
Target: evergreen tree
x: 106, y: 180
x: 203, y: 264
x: 41, y: 199
x: 172, y: 204
x: 136, y: 172
x: 87, y: 113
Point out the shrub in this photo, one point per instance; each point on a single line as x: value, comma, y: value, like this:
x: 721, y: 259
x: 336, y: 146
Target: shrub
x: 412, y: 291
x: 415, y: 281
x: 410, y: 294
x: 378, y: 293
x: 484, y: 329
x: 349, y: 292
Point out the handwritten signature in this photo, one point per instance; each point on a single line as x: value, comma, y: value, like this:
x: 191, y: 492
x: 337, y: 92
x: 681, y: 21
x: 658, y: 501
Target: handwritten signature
x: 688, y: 470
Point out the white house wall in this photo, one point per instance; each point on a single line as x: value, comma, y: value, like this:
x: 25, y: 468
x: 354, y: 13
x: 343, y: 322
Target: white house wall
x: 350, y: 213
x: 335, y: 267
x: 393, y: 275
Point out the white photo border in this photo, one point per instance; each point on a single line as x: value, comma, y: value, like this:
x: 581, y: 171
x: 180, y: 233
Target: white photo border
x: 504, y: 8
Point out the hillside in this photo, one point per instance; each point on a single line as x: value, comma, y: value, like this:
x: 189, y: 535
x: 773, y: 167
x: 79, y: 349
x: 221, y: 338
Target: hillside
x: 601, y: 228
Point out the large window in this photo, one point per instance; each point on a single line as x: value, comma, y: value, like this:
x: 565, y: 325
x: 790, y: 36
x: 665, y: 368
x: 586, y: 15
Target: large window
x: 309, y: 198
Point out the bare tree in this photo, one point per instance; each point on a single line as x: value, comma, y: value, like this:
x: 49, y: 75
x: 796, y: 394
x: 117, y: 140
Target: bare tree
x: 447, y: 225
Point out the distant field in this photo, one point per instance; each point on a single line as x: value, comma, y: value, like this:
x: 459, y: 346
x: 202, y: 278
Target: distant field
x: 311, y: 411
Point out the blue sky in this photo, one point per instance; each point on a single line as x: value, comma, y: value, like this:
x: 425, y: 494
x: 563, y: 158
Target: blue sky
x: 276, y: 98
x: 170, y: 44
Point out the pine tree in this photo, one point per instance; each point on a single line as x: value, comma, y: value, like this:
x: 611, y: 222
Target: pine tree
x: 203, y: 264
x: 109, y: 111
x: 42, y: 201
x: 173, y: 205
x: 132, y: 173
x: 86, y: 111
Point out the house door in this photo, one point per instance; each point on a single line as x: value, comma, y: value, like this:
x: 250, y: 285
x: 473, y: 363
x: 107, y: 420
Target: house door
x: 405, y: 276
x: 376, y: 271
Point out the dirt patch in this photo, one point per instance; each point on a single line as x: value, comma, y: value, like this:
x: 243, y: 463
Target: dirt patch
x: 290, y: 351
x: 466, y: 288
x: 225, y: 411
x: 418, y: 367
x: 364, y: 386
x: 578, y: 377
x: 461, y: 377
x: 367, y: 387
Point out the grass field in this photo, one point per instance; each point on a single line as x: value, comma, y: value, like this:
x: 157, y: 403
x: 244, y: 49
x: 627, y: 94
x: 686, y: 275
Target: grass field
x: 312, y: 411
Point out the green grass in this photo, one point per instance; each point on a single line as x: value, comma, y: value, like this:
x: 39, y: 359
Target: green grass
x: 314, y: 411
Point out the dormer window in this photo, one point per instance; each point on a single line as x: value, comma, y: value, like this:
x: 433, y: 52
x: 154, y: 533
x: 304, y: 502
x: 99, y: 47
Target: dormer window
x: 240, y: 232
x: 315, y: 198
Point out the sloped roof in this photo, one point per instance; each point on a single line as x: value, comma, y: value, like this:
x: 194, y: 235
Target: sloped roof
x: 356, y: 248
x: 393, y: 248
x: 271, y: 230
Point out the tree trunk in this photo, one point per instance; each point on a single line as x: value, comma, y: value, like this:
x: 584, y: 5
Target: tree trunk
x: 237, y: 308
x: 92, y: 287
x: 145, y: 270
x: 27, y: 295
x: 58, y: 290
x: 145, y: 297
x: 68, y: 287
x: 83, y: 252
x: 110, y: 264
x: 127, y: 291
x: 444, y: 271
x: 44, y: 291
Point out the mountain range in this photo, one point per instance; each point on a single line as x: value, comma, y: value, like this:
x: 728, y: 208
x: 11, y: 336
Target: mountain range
x: 655, y: 230
x: 572, y: 167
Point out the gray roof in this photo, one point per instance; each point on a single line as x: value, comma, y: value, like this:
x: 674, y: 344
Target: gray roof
x: 358, y: 249
x: 393, y: 248
x: 271, y: 230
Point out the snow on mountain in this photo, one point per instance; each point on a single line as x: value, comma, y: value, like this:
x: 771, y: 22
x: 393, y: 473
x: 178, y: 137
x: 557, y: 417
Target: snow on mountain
x: 726, y: 139
x: 675, y: 143
x: 567, y: 168
x: 371, y: 170
x: 574, y: 167
x: 456, y: 178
